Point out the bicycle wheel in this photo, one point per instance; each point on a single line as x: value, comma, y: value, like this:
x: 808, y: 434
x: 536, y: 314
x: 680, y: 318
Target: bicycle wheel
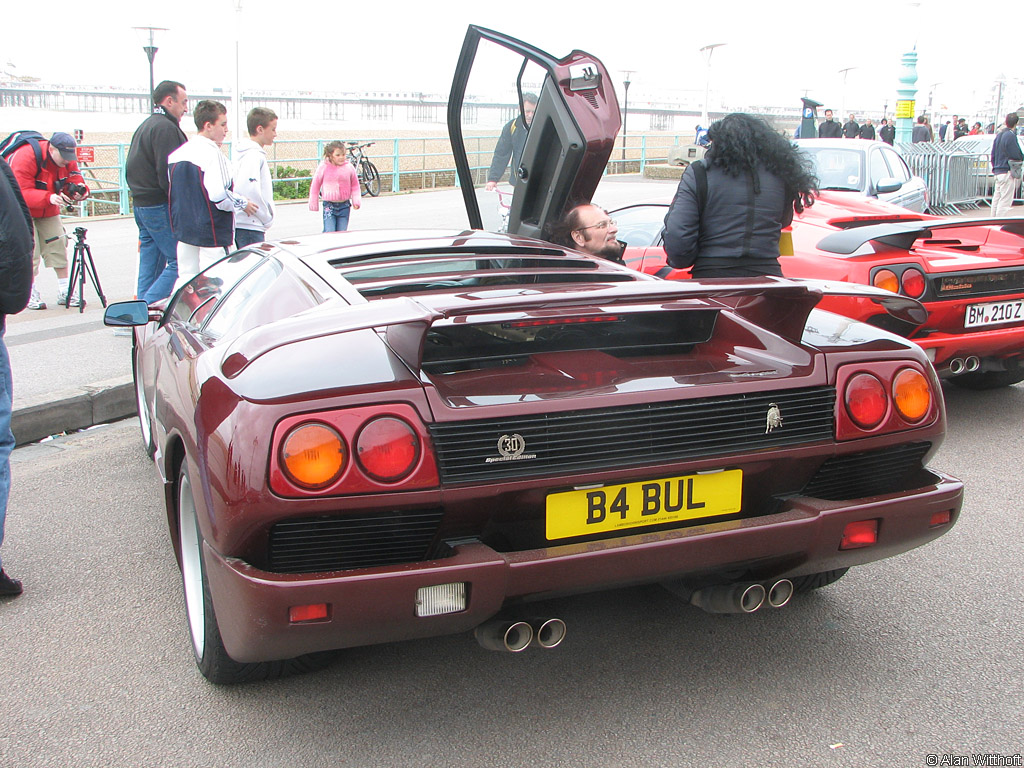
x: 369, y: 179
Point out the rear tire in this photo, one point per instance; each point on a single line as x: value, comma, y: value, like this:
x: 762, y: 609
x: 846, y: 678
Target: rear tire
x: 371, y: 179
x: 207, y: 646
x: 987, y: 380
x: 817, y: 580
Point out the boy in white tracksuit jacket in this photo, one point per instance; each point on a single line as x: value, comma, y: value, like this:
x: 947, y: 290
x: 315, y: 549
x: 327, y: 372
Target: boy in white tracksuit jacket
x: 252, y: 177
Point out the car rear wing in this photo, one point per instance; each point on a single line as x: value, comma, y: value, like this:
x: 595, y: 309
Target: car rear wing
x: 904, y: 234
x: 687, y: 312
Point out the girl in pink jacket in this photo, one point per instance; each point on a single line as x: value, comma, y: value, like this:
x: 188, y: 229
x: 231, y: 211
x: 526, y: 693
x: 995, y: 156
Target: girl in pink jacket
x: 337, y: 183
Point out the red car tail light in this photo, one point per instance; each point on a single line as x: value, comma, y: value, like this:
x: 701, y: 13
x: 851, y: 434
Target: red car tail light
x: 940, y: 518
x: 387, y: 449
x: 862, y: 533
x: 866, y: 401
x: 313, y: 455
x: 913, y: 282
x: 887, y: 396
x: 384, y: 448
x: 911, y: 395
x: 886, y: 280
x: 313, y: 612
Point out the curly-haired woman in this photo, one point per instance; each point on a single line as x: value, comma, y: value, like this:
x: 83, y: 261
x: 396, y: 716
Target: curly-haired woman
x: 729, y: 226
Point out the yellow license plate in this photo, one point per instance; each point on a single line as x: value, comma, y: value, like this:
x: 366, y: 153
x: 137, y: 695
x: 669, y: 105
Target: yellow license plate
x: 651, y: 502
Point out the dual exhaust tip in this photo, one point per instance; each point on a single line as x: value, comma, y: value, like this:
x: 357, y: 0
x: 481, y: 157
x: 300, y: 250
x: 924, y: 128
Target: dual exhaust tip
x: 516, y: 635
x: 743, y: 597
x: 960, y: 365
x: 513, y: 635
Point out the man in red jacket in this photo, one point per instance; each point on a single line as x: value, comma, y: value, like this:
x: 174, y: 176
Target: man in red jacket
x: 46, y: 187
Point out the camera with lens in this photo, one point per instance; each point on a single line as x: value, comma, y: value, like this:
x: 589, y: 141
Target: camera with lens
x: 70, y: 188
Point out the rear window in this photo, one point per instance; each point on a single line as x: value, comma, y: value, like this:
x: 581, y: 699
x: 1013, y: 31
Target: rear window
x: 457, y: 346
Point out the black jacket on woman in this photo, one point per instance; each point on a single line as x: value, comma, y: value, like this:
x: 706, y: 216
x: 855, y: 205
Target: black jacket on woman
x: 737, y: 234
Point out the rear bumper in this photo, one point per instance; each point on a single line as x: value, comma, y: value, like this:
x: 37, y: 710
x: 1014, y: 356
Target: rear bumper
x: 377, y: 605
x: 994, y: 343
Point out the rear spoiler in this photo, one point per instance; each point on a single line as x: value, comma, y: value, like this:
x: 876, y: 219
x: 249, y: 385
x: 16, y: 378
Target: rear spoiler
x: 777, y: 304
x: 905, y: 233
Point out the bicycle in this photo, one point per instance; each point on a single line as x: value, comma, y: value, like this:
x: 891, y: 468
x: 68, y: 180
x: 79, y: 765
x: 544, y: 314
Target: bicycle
x: 369, y: 177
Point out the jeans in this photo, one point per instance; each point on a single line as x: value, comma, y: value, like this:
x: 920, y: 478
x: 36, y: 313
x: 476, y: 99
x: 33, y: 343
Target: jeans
x: 336, y: 216
x: 244, y: 237
x: 6, y: 437
x: 158, y: 253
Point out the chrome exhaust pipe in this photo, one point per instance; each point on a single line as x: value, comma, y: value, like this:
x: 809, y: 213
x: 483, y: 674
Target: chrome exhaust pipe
x: 504, y: 635
x: 972, y: 364
x: 730, y: 598
x: 547, y: 633
x: 956, y: 366
x: 780, y: 593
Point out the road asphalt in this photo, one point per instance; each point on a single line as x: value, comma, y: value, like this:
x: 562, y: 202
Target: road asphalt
x: 71, y: 372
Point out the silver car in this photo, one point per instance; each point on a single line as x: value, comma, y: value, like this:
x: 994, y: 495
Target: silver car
x: 871, y: 168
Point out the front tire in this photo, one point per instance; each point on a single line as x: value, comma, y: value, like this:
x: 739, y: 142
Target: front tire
x: 207, y: 645
x: 145, y: 420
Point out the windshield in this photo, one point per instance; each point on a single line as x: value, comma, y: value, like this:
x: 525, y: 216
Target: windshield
x: 837, y: 168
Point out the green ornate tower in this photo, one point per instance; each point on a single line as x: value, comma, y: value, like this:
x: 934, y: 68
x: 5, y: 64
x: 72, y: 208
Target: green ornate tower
x: 905, y: 106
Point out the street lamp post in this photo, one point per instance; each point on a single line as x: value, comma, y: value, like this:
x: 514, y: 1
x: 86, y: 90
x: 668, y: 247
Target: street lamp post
x: 625, y: 112
x: 844, y: 73
x: 707, y: 50
x: 148, y: 37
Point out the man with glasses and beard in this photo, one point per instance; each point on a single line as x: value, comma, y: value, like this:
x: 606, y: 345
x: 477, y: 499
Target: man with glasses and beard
x: 588, y: 228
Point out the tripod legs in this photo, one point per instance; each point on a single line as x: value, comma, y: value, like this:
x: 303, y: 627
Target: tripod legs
x: 82, y: 265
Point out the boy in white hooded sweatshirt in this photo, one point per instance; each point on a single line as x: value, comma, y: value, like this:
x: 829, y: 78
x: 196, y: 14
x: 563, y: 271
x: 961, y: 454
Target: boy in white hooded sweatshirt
x: 252, y: 177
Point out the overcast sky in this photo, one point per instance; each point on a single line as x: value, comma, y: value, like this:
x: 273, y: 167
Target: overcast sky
x: 775, y: 51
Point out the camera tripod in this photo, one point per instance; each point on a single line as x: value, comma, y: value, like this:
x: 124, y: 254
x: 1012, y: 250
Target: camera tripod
x: 82, y: 265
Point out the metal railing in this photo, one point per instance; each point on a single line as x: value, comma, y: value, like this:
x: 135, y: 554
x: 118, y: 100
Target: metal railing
x: 404, y: 164
x: 957, y: 179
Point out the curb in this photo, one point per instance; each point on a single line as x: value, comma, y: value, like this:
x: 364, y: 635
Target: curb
x: 73, y: 410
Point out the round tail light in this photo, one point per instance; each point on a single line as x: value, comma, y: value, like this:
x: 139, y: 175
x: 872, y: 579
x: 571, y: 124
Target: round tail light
x: 886, y: 280
x: 387, y: 449
x: 913, y: 283
x: 313, y: 456
x: 866, y: 401
x: 911, y: 394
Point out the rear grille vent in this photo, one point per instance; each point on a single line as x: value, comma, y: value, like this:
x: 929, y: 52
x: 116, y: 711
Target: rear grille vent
x: 978, y: 283
x: 867, y: 474
x: 345, y: 542
x: 579, y: 441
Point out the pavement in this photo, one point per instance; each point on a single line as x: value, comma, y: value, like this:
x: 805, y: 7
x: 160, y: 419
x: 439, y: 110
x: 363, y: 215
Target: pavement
x: 71, y: 372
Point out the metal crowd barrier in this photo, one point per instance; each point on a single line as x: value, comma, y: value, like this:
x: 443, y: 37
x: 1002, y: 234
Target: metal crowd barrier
x: 957, y: 179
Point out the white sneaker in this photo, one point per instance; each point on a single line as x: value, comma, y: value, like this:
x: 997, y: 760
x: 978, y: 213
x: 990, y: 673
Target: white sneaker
x: 76, y: 301
x: 35, y: 302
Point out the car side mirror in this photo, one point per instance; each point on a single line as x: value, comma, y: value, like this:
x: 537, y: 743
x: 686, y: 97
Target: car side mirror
x: 886, y: 186
x: 126, y: 313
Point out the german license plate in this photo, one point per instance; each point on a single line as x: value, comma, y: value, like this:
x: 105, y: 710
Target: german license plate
x: 651, y: 502
x: 996, y: 313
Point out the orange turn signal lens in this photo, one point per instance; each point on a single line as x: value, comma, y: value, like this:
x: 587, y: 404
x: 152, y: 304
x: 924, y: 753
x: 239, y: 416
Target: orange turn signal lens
x: 911, y: 394
x: 886, y: 280
x: 313, y: 455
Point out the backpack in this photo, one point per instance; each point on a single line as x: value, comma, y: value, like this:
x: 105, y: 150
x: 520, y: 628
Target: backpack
x: 19, y: 139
